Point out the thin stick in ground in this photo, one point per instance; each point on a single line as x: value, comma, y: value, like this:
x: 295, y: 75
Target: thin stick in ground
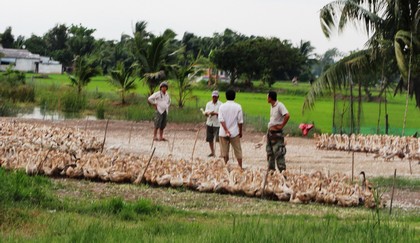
x: 195, y: 142
x: 106, y: 129
x: 140, y: 177
x: 129, y: 135
x: 393, y: 189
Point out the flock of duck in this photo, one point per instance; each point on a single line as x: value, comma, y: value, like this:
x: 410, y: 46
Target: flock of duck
x: 70, y: 152
x: 383, y: 146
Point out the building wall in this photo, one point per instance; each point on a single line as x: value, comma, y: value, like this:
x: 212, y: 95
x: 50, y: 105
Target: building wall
x: 50, y: 68
x: 25, y: 65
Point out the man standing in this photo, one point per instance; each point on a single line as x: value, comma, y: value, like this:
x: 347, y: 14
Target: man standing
x: 276, y: 149
x: 161, y: 102
x: 212, y: 123
x: 231, y: 120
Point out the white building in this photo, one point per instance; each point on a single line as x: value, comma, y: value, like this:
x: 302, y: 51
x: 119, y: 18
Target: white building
x: 25, y: 61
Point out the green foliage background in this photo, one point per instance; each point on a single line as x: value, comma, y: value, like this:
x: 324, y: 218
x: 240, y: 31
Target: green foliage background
x: 253, y: 101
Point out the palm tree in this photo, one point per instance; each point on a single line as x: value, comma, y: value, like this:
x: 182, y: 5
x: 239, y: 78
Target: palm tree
x: 394, y: 36
x: 123, y: 78
x: 184, y: 73
x: 152, y: 54
x: 153, y: 62
x: 85, y: 69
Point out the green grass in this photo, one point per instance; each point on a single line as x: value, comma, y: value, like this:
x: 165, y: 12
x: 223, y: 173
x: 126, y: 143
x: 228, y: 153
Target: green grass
x: 254, y: 105
x: 30, y: 210
x: 400, y: 182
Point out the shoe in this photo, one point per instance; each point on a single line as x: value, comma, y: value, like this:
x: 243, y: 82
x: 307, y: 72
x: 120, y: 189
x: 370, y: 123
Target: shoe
x: 210, y: 155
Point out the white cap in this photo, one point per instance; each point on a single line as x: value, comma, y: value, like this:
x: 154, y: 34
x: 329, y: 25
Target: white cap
x: 215, y: 93
x: 163, y: 84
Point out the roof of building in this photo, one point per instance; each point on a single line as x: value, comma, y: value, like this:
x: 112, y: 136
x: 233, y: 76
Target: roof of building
x: 18, y: 53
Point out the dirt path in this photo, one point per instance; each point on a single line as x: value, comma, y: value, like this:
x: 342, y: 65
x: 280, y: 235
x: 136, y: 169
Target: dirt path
x: 302, y: 155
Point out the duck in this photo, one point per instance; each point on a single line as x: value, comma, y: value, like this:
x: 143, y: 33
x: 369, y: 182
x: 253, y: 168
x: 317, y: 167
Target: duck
x: 365, y: 184
x: 163, y: 180
x: 285, y: 194
x: 207, y: 186
x: 260, y: 143
x: 348, y: 200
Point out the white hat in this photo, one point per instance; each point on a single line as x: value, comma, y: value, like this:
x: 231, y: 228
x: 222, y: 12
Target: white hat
x: 215, y: 93
x: 163, y: 84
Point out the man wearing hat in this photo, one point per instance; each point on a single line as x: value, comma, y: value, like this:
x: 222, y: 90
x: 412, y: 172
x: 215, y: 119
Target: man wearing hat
x: 161, y: 102
x: 212, y: 123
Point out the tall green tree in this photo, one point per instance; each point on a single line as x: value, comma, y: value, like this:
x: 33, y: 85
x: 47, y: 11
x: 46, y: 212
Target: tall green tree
x: 123, y: 78
x: 394, y: 36
x: 36, y: 44
x: 84, y: 70
x: 325, y: 60
x: 56, y: 41
x: 153, y: 62
x: 153, y: 54
x: 259, y: 57
x: 80, y: 40
x: 7, y: 39
x: 309, y: 60
x: 187, y: 69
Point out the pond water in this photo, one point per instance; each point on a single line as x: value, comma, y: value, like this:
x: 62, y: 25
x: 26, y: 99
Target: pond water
x: 38, y: 113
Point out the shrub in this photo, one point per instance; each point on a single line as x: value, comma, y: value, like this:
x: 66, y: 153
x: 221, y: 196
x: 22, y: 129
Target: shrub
x: 7, y: 108
x: 100, y: 110
x: 72, y: 102
x: 12, y: 77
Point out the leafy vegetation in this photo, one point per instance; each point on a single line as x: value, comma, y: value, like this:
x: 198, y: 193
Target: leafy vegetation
x: 352, y: 95
x: 103, y: 100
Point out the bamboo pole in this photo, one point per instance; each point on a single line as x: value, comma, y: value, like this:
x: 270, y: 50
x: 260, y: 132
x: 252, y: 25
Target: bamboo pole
x: 265, y: 182
x: 139, y: 178
x: 106, y: 129
x: 129, y: 135
x: 86, y: 124
x: 173, y: 143
x: 195, y: 142
x: 411, y: 170
x: 352, y: 166
x: 393, y: 189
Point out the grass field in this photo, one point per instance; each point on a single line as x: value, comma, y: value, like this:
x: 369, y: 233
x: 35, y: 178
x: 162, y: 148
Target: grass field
x: 33, y: 209
x: 255, y: 104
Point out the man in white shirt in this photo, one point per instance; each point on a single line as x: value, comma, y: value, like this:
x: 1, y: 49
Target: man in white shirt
x: 231, y: 120
x: 276, y: 148
x: 161, y: 102
x: 212, y: 123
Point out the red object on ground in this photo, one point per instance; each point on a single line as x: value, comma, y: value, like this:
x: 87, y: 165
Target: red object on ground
x: 305, y: 128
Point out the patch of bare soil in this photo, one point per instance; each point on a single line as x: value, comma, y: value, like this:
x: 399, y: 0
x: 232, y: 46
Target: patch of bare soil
x: 187, y: 141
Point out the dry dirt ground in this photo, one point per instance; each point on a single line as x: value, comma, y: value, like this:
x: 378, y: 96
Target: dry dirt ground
x: 188, y: 140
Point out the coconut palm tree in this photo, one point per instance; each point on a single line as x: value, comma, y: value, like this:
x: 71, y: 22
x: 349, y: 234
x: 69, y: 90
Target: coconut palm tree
x: 185, y: 72
x: 394, y: 36
x: 152, y: 54
x: 85, y: 69
x: 153, y: 62
x: 123, y: 78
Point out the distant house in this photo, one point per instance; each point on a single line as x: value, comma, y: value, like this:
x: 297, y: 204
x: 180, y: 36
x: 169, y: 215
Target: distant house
x: 214, y: 74
x: 25, y: 61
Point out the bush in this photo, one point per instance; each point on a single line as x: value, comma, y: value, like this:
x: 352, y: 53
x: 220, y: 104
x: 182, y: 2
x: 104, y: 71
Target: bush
x: 12, y: 77
x: 100, y: 110
x: 73, y: 102
x: 8, y: 109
